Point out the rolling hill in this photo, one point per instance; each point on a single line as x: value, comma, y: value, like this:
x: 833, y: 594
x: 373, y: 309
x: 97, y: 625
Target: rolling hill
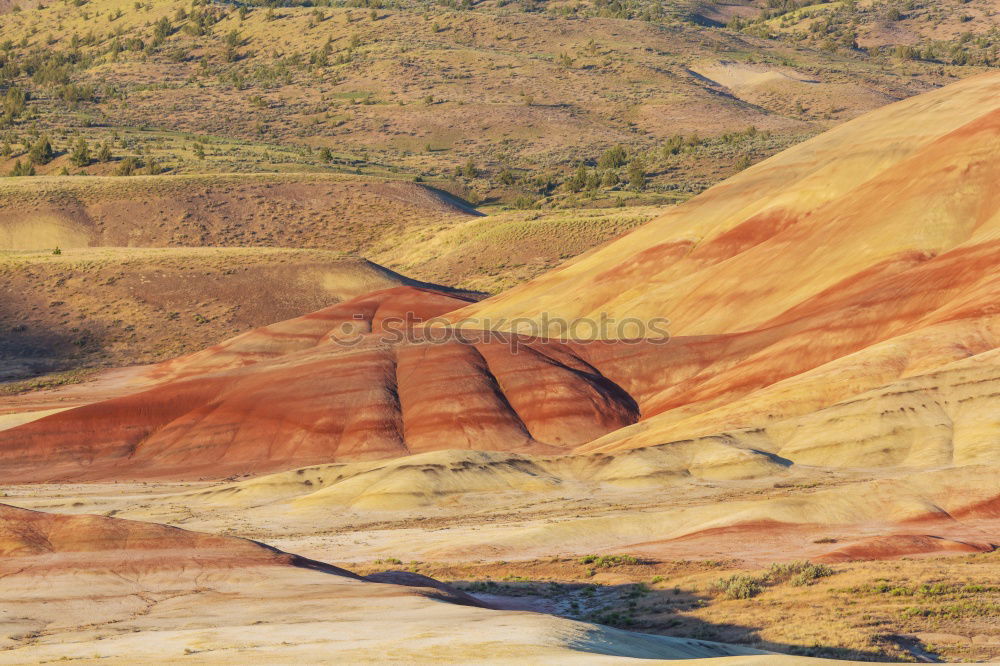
x: 494, y: 101
x: 78, y: 255
x: 509, y: 331
x: 819, y: 288
x: 342, y: 213
x: 123, y: 582
x: 91, y: 308
x: 806, y: 281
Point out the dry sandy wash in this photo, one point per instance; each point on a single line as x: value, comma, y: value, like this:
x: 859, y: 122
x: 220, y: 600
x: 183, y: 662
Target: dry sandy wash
x: 830, y: 390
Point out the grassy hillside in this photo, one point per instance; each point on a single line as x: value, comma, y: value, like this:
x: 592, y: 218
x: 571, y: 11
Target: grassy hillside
x: 494, y: 101
x: 344, y: 129
x: 496, y: 252
x: 69, y: 306
x: 943, y: 32
x: 104, y: 307
x: 346, y: 214
x: 419, y: 231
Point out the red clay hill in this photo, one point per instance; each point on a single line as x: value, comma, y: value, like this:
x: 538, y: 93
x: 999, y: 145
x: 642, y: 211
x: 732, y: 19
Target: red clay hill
x: 835, y: 305
x: 343, y: 383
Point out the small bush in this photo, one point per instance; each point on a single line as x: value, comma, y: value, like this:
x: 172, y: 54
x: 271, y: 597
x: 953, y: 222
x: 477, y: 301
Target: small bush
x: 128, y: 167
x: 81, y: 153
x: 607, y: 561
x: 745, y: 586
x: 798, y: 573
x: 811, y: 573
x: 22, y: 169
x: 104, y: 153
x: 740, y: 586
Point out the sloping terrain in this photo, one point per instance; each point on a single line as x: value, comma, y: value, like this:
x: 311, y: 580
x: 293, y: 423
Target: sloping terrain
x: 523, y: 91
x: 811, y: 278
x: 420, y: 231
x: 16, y: 5
x: 347, y: 214
x: 828, y: 391
x: 86, y: 307
x: 766, y: 420
x: 99, y: 307
x: 354, y: 381
x: 770, y: 85
x: 849, y: 370
x: 32, y: 541
x: 918, y: 31
x: 808, y: 280
x: 129, y: 590
x: 921, y: 166
x: 584, y: 551
x: 503, y: 249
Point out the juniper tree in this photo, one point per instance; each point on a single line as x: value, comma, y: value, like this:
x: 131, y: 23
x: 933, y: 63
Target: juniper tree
x: 41, y: 152
x: 612, y: 158
x: 14, y: 102
x: 578, y: 181
x: 637, y: 175
x: 81, y: 153
x: 104, y: 153
x: 128, y: 167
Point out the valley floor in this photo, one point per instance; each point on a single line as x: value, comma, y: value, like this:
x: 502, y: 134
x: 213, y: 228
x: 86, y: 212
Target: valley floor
x: 936, y: 599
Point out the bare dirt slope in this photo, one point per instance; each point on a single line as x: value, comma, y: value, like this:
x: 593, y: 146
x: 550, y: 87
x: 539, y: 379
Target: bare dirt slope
x: 809, y: 280
x: 561, y: 546
x: 879, y: 353
x: 130, y: 590
x: 829, y: 391
x: 355, y: 381
x: 862, y: 257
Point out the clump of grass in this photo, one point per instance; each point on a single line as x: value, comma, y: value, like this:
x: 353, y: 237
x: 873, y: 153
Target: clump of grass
x: 613, y: 618
x: 963, y: 609
x: 746, y: 586
x: 608, y: 561
x: 50, y: 381
x: 740, y: 586
x: 799, y: 572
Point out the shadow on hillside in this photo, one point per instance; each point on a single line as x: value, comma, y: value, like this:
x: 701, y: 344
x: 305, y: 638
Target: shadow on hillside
x: 30, y: 348
x: 454, y: 200
x: 642, y: 609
